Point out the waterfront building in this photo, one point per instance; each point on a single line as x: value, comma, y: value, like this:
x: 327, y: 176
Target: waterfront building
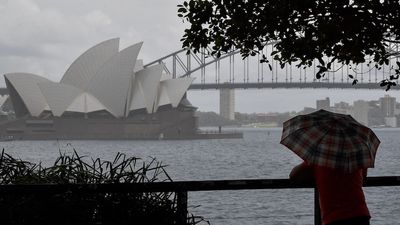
x: 360, y: 111
x: 391, y: 121
x: 397, y: 109
x: 375, y: 116
x: 323, y: 104
x: 105, y: 93
x: 306, y: 110
x: 388, y: 105
x: 341, y: 107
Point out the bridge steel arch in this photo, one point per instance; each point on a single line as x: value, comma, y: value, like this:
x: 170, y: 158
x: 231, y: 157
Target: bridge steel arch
x: 184, y: 63
x: 187, y: 68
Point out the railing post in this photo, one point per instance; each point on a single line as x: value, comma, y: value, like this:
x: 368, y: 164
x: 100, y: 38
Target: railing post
x: 317, y: 210
x: 181, y: 211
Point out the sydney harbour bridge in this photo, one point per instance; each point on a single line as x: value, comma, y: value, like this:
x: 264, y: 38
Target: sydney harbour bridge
x: 231, y: 71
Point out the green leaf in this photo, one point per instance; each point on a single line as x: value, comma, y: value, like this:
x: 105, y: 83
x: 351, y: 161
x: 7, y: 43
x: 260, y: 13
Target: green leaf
x: 305, y: 32
x: 322, y: 62
x: 182, y: 10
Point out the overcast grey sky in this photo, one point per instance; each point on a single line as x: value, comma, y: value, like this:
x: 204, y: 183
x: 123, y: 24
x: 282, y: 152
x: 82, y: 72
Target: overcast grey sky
x: 45, y: 36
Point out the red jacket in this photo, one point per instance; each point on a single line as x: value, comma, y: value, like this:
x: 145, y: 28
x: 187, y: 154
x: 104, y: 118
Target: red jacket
x: 340, y: 194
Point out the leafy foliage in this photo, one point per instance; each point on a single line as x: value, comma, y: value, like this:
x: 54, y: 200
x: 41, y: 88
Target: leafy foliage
x: 302, y: 30
x: 76, y: 208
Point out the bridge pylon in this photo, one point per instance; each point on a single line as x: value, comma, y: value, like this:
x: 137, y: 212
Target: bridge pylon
x: 227, y: 103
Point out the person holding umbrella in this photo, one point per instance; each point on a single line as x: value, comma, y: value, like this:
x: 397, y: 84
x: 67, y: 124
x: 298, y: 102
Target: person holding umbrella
x: 337, y: 150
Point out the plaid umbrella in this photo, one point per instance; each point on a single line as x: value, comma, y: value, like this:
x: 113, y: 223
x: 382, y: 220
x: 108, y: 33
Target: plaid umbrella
x: 331, y: 139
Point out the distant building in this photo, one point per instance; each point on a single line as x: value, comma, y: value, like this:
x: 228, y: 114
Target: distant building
x: 388, y: 105
x: 375, y: 116
x: 307, y: 110
x: 391, y: 121
x: 341, y: 107
x: 323, y: 104
x: 360, y: 111
x: 267, y: 117
x: 227, y: 103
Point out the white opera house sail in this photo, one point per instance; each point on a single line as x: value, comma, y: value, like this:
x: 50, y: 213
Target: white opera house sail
x: 106, y: 93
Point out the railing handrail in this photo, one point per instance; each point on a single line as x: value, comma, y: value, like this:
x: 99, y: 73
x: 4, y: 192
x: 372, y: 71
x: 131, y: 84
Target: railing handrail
x: 181, y: 188
x: 188, y: 186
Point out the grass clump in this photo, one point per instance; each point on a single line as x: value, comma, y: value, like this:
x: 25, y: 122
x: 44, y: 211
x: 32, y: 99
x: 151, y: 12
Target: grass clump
x: 81, y: 208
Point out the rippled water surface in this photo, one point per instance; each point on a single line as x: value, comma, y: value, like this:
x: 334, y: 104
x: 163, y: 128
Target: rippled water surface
x: 257, y: 156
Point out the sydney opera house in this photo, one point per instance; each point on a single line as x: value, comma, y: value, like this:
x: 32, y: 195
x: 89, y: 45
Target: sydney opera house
x: 105, y: 94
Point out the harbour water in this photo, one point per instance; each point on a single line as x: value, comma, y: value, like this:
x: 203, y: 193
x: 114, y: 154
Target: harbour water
x: 257, y: 156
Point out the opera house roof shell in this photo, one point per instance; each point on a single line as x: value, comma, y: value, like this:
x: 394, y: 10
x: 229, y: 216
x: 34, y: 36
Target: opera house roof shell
x: 102, y: 78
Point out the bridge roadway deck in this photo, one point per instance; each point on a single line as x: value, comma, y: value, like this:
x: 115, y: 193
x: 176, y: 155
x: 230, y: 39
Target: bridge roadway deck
x: 313, y: 85
x: 288, y: 85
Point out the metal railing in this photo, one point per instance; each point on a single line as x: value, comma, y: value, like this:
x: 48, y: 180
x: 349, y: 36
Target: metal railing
x: 181, y: 188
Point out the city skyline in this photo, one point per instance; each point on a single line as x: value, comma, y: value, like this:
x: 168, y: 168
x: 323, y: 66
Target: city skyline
x: 267, y: 99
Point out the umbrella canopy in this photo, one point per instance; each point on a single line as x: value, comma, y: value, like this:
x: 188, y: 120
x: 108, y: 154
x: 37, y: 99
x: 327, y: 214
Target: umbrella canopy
x: 331, y: 140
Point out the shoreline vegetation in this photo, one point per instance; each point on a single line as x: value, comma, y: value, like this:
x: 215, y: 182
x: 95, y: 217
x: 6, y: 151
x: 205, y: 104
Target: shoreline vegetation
x: 75, y: 208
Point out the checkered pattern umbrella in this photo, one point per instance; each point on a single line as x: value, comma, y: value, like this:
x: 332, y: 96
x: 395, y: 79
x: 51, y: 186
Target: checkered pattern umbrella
x: 331, y: 140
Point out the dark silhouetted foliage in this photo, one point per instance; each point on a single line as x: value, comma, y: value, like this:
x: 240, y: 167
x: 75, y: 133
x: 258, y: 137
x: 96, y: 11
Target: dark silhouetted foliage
x: 77, y: 208
x: 302, y: 30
